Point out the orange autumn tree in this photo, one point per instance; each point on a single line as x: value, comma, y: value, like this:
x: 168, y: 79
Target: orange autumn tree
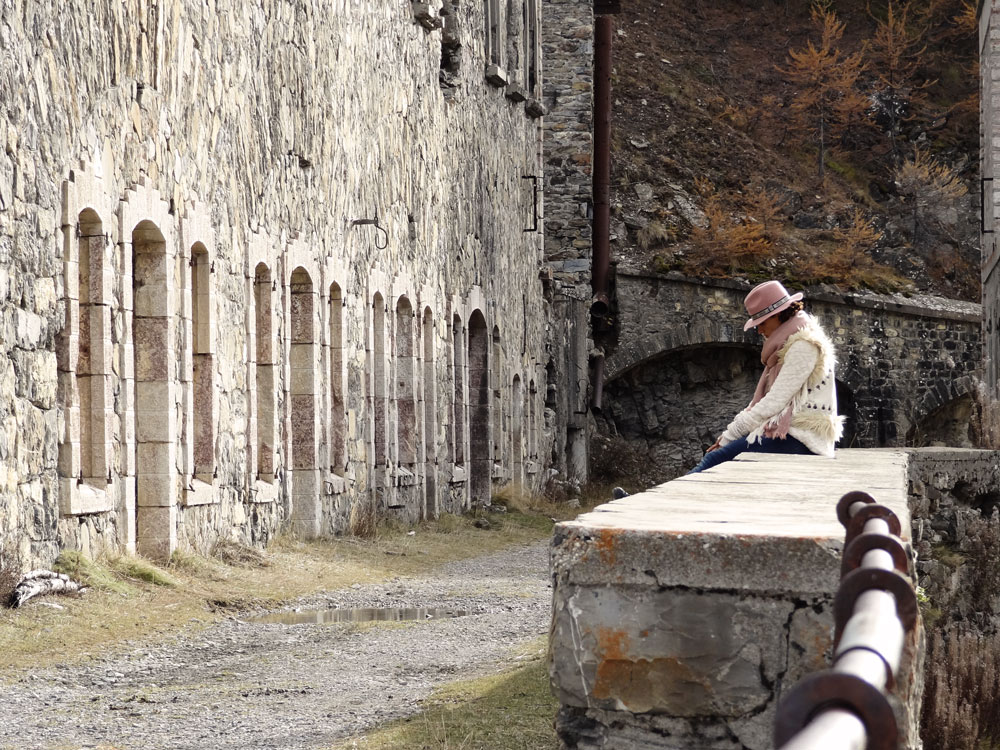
x: 895, y: 55
x: 825, y: 79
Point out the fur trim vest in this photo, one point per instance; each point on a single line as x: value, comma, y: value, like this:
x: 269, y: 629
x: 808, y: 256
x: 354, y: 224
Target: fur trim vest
x: 805, y: 384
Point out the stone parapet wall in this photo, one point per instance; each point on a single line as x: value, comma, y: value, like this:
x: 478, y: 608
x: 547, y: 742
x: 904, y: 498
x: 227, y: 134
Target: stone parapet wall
x: 951, y: 490
x: 683, y: 613
x: 218, y: 366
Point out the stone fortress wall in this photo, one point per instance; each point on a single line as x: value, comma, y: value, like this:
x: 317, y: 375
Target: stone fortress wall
x: 198, y: 342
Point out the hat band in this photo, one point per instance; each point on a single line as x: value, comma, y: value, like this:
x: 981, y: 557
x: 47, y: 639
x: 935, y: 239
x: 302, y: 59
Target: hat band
x: 770, y: 308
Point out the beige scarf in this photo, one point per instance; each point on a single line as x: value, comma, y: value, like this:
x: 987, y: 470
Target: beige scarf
x: 778, y: 427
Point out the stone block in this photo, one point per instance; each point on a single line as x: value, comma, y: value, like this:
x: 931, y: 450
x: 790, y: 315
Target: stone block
x: 155, y: 490
x: 683, y: 653
x: 153, y: 349
x: 154, y: 397
x: 156, y: 458
x: 156, y: 531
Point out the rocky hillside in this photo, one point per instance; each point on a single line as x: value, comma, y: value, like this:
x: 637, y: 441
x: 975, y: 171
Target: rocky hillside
x: 716, y: 150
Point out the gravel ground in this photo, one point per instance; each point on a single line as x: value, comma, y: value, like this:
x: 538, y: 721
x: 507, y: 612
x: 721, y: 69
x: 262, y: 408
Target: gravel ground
x: 245, y: 685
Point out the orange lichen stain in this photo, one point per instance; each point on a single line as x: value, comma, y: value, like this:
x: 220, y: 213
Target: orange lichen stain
x: 612, y: 643
x: 605, y: 542
x: 647, y: 684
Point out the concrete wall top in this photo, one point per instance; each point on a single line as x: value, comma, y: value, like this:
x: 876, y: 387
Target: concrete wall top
x: 761, y: 523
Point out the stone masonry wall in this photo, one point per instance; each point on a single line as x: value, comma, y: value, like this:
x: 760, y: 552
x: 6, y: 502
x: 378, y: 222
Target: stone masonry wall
x: 989, y: 97
x: 568, y: 44
x: 224, y: 368
x: 907, y: 367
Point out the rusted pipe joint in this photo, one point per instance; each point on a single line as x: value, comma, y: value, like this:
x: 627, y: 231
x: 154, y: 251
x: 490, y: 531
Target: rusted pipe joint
x: 600, y: 305
x: 829, y: 689
x: 860, y: 580
x: 865, y: 542
x: 845, y: 503
x: 856, y: 526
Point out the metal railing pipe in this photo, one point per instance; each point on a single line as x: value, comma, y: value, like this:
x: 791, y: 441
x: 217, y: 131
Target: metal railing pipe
x: 833, y: 729
x: 845, y: 706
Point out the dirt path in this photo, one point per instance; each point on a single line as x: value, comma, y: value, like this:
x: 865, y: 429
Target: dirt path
x: 244, y: 685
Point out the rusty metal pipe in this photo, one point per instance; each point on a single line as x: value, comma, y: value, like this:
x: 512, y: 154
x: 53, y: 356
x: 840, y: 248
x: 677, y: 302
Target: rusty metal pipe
x: 601, y: 260
x: 877, y: 558
x: 595, y: 403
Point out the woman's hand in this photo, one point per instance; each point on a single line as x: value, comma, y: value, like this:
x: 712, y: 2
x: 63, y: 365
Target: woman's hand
x: 715, y: 446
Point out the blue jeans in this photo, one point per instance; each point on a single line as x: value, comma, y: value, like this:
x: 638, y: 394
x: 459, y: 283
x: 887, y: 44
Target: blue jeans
x: 763, y: 445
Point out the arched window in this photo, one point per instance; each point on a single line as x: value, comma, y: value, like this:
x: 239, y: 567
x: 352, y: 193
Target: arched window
x: 406, y: 414
x: 480, y: 442
x: 203, y: 380
x: 530, y: 57
x: 155, y: 351
x: 84, y: 361
x: 379, y: 404
x: 517, y: 430
x: 532, y: 421
x: 497, y: 396
x: 458, y: 397
x: 266, y: 441
x: 338, y: 411
x: 302, y: 361
x: 430, y: 417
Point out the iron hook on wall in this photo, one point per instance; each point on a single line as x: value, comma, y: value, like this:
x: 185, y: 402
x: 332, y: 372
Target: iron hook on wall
x: 378, y: 228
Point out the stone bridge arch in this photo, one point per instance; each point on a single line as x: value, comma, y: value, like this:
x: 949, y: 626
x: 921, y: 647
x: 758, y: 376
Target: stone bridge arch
x: 943, y: 416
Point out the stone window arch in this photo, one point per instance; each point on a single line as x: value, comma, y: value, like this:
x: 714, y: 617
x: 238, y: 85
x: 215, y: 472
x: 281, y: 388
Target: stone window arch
x: 302, y: 361
x: 529, y: 58
x: 84, y: 362
x: 532, y: 421
x: 265, y: 348
x: 338, y: 406
x: 458, y: 393
x: 517, y: 430
x: 496, y: 395
x: 203, y: 366
x: 429, y: 382
x: 405, y: 386
x: 513, y: 39
x: 156, y: 387
x: 379, y: 401
x: 494, y: 43
x: 480, y: 434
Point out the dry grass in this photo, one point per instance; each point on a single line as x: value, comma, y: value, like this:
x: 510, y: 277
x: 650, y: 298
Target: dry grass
x: 961, y: 709
x: 10, y: 574
x: 130, y: 602
x: 511, y: 710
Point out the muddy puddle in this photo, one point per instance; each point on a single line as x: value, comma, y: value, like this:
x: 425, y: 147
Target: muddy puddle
x: 385, y: 614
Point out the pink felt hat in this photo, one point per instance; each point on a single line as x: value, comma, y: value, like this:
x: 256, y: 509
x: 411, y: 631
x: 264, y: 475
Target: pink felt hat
x: 765, y: 300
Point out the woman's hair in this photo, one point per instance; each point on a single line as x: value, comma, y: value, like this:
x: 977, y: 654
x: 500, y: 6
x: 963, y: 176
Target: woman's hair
x: 789, y: 311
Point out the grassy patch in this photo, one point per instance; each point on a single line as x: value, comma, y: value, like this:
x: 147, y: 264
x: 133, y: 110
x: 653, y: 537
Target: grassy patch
x: 91, y: 573
x: 137, y: 569
x: 132, y: 599
x: 512, y: 710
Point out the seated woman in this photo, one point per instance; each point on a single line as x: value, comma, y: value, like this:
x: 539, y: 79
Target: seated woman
x: 794, y: 408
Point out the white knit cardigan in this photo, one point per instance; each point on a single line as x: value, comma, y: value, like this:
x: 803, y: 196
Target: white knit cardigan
x: 806, y: 381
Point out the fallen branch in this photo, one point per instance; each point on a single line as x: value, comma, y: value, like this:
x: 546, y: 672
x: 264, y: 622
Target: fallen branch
x: 38, y: 582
